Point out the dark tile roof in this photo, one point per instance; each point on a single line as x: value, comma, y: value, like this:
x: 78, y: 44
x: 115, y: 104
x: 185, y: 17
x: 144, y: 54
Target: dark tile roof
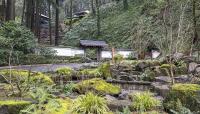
x: 93, y: 43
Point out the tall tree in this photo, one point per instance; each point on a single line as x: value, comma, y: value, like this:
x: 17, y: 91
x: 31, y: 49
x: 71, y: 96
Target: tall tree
x: 57, y: 24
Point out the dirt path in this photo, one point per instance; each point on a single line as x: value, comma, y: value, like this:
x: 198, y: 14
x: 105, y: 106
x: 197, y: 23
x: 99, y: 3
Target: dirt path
x: 50, y: 67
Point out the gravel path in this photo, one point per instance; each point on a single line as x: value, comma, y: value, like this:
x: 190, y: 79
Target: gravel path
x: 50, y: 67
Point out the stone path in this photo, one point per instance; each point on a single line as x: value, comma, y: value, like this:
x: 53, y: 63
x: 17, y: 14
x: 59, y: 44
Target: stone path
x: 50, y: 67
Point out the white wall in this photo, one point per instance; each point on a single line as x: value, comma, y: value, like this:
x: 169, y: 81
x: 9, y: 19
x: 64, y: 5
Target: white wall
x: 68, y: 51
x: 73, y: 52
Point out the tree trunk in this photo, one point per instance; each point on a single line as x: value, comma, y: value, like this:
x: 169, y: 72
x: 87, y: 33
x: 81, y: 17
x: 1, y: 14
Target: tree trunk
x: 98, y: 19
x: 2, y: 10
x: 50, y: 36
x: 23, y: 10
x: 92, y: 7
x: 30, y: 14
x: 37, y: 20
x: 10, y: 10
x: 195, y: 35
x: 57, y: 24
x: 125, y: 3
x: 71, y: 14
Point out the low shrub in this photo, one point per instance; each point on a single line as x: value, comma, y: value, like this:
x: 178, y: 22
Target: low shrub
x: 90, y: 104
x: 65, y: 72
x: 12, y: 106
x: 118, y: 58
x: 148, y: 75
x: 23, y: 80
x: 186, y: 93
x: 144, y: 101
x: 97, y: 85
x: 103, y: 71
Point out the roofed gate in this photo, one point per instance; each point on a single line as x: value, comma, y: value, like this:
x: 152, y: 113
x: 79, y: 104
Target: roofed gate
x: 93, y: 44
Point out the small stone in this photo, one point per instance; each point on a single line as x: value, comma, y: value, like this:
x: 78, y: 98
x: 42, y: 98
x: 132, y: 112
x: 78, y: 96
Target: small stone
x: 163, y: 79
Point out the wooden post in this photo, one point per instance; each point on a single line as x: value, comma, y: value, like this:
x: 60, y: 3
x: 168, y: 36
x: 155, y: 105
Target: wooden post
x: 98, y: 54
x: 113, y: 54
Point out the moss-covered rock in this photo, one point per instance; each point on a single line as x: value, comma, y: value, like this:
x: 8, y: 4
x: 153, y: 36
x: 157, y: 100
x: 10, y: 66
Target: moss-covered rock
x: 12, y: 106
x: 97, y: 85
x: 186, y: 93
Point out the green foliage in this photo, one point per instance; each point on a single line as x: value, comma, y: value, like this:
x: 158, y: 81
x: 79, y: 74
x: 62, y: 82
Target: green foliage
x: 90, y: 104
x: 45, y: 101
x: 186, y: 93
x: 104, y: 69
x: 144, y: 101
x: 15, y: 38
x: 118, y: 58
x: 68, y: 88
x: 125, y: 111
x: 97, y: 85
x: 14, y: 106
x: 180, y: 109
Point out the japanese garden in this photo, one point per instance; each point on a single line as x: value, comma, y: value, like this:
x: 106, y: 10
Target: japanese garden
x: 99, y: 56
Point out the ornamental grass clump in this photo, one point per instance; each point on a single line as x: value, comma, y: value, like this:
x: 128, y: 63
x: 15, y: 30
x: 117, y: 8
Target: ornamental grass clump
x: 90, y: 104
x: 144, y: 101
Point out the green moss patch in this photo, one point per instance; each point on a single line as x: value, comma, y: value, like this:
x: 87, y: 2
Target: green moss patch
x: 12, y: 106
x: 24, y: 75
x: 65, y: 105
x: 65, y: 71
x: 97, y: 85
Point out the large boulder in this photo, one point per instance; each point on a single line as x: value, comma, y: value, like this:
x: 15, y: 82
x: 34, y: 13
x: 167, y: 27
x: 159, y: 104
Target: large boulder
x: 161, y: 89
x: 115, y: 104
x: 192, y: 66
